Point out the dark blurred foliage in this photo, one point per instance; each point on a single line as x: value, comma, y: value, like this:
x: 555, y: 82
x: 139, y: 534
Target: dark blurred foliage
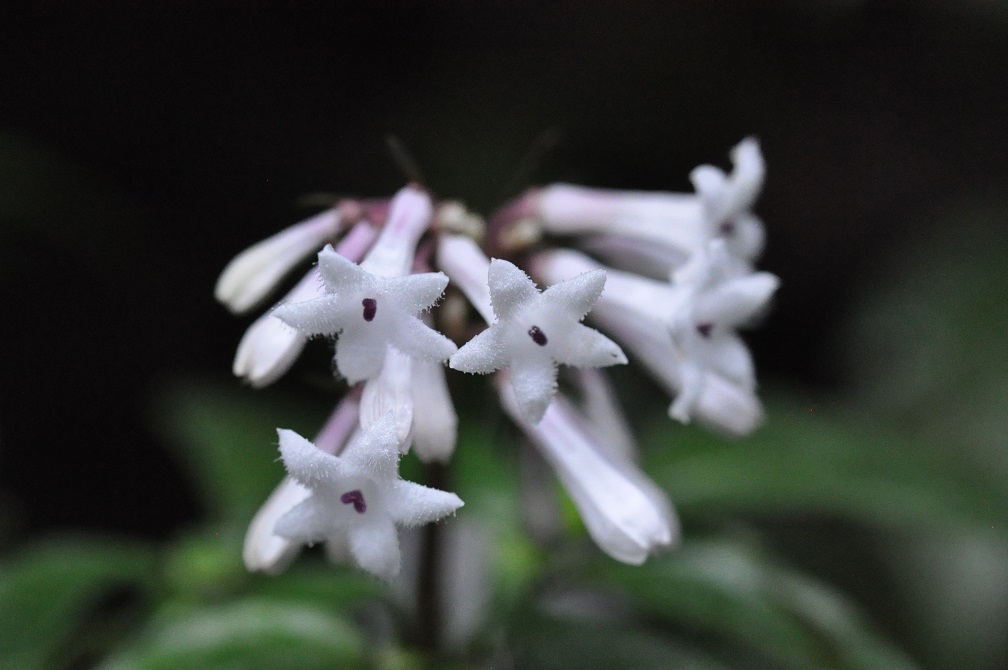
x: 141, y: 147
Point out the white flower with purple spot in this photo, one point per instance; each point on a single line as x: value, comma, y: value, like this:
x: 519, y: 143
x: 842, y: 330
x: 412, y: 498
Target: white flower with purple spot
x: 712, y: 302
x: 357, y: 499
x: 534, y: 332
x: 368, y: 313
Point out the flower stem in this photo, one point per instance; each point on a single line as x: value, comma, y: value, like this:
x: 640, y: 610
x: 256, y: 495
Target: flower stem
x: 429, y: 615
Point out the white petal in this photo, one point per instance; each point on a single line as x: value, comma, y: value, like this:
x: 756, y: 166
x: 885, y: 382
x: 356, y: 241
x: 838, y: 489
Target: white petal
x: 314, y: 519
x: 414, y: 505
x: 419, y: 340
x: 576, y: 295
x: 326, y: 315
x: 375, y: 547
x: 511, y: 290
x: 729, y: 357
x: 582, y: 346
x: 482, y: 354
x: 305, y: 462
x: 748, y: 173
x: 360, y: 353
x: 734, y: 302
x: 712, y: 186
x: 534, y: 383
x: 416, y: 293
x: 340, y: 274
x: 729, y: 409
x: 374, y: 452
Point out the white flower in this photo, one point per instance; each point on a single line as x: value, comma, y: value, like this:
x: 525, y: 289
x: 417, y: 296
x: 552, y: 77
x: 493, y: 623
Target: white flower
x: 358, y: 497
x: 728, y: 199
x: 368, y: 313
x: 661, y: 230
x: 623, y: 511
x: 640, y: 313
x: 264, y: 551
x: 534, y: 332
x: 712, y: 304
x: 255, y: 272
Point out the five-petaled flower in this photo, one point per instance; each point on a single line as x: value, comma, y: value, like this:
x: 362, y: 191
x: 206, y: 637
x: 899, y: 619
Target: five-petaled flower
x: 369, y: 312
x: 534, y: 332
x: 357, y: 499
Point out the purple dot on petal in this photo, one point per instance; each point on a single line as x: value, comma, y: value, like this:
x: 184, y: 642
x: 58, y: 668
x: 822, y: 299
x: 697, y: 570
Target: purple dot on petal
x: 538, y: 336
x: 355, y: 497
x: 370, y: 308
x: 727, y: 228
x: 705, y: 329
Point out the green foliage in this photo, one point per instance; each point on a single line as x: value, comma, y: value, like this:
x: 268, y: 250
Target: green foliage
x: 243, y: 635
x: 53, y: 597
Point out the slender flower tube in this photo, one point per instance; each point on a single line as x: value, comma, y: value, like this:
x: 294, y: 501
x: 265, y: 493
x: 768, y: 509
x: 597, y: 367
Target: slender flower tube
x: 671, y: 225
x: 269, y: 346
x: 253, y: 273
x: 264, y: 551
x: 435, y: 423
x: 391, y: 393
x: 626, y: 515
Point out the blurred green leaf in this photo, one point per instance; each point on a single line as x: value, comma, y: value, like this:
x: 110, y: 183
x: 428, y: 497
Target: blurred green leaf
x: 926, y: 345
x: 823, y: 460
x: 743, y: 597
x: 545, y: 641
x: 49, y: 590
x: 243, y: 635
x: 316, y: 582
x: 226, y: 437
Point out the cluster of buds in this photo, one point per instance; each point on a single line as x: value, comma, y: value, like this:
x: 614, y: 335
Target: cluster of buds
x: 668, y: 277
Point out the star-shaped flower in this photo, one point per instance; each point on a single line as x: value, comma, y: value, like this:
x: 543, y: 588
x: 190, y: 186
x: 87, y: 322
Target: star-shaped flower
x: 714, y: 302
x: 728, y: 199
x: 368, y: 313
x: 357, y: 499
x: 534, y: 332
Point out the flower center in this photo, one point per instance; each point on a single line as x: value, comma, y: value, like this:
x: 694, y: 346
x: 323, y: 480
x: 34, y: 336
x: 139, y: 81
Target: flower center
x: 370, y: 308
x: 705, y: 329
x: 355, y: 497
x: 538, y: 336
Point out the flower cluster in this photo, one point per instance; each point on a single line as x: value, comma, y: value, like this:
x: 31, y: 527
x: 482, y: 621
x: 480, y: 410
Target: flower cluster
x: 667, y: 277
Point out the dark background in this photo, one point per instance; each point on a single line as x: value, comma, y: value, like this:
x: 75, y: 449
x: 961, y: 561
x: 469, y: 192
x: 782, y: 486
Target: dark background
x: 143, y: 148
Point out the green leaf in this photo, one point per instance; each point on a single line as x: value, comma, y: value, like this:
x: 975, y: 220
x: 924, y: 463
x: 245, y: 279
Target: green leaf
x: 50, y: 590
x: 545, y: 641
x: 244, y: 635
x: 754, y: 604
x: 824, y: 460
